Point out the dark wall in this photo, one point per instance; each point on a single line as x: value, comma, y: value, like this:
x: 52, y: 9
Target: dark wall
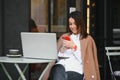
x: 99, y: 36
x: 108, y: 30
x: 0, y: 27
x: 14, y: 18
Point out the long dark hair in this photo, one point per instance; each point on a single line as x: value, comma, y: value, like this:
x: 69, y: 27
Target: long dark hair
x: 79, y: 20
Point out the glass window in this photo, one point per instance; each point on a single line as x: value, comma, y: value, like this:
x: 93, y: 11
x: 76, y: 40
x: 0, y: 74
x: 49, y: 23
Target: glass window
x: 52, y: 13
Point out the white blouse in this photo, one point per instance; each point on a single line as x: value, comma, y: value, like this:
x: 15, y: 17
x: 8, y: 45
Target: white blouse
x: 74, y: 62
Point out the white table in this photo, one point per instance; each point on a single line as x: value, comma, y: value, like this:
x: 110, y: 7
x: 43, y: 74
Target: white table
x: 27, y: 61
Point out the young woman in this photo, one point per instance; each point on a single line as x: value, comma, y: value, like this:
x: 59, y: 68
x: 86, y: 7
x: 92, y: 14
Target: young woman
x: 77, y: 53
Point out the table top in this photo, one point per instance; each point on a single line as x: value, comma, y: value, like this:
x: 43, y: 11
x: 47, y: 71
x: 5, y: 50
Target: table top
x: 5, y: 59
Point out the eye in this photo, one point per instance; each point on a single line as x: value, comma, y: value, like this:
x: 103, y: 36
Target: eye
x: 75, y: 23
x: 70, y: 23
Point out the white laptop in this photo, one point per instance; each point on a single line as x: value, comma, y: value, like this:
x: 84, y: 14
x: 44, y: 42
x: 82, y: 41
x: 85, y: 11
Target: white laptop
x: 39, y: 45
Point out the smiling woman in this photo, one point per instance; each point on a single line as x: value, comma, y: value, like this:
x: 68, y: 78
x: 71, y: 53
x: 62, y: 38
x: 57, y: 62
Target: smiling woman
x: 81, y: 52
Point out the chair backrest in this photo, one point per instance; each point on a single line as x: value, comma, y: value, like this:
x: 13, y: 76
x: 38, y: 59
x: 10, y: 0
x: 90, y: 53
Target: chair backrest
x: 112, y: 51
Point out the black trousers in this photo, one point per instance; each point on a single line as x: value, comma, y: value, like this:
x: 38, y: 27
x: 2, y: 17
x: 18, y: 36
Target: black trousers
x: 58, y: 73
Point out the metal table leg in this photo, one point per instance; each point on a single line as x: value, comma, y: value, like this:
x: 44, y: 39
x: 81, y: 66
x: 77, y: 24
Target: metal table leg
x: 6, y: 72
x: 25, y: 68
x: 44, y: 71
x: 20, y: 71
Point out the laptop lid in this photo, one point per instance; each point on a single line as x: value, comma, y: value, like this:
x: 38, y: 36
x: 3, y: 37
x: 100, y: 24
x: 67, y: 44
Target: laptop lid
x: 39, y: 45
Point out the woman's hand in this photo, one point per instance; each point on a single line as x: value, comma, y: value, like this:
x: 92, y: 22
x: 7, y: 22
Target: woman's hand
x: 67, y: 43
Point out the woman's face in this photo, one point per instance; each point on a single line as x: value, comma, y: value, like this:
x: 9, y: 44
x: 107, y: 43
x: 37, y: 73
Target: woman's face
x: 72, y: 25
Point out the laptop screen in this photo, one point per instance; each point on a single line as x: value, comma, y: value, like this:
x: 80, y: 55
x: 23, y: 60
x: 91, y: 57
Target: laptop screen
x: 39, y: 45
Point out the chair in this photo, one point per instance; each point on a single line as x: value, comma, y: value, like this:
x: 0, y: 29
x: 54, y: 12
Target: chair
x: 113, y: 51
